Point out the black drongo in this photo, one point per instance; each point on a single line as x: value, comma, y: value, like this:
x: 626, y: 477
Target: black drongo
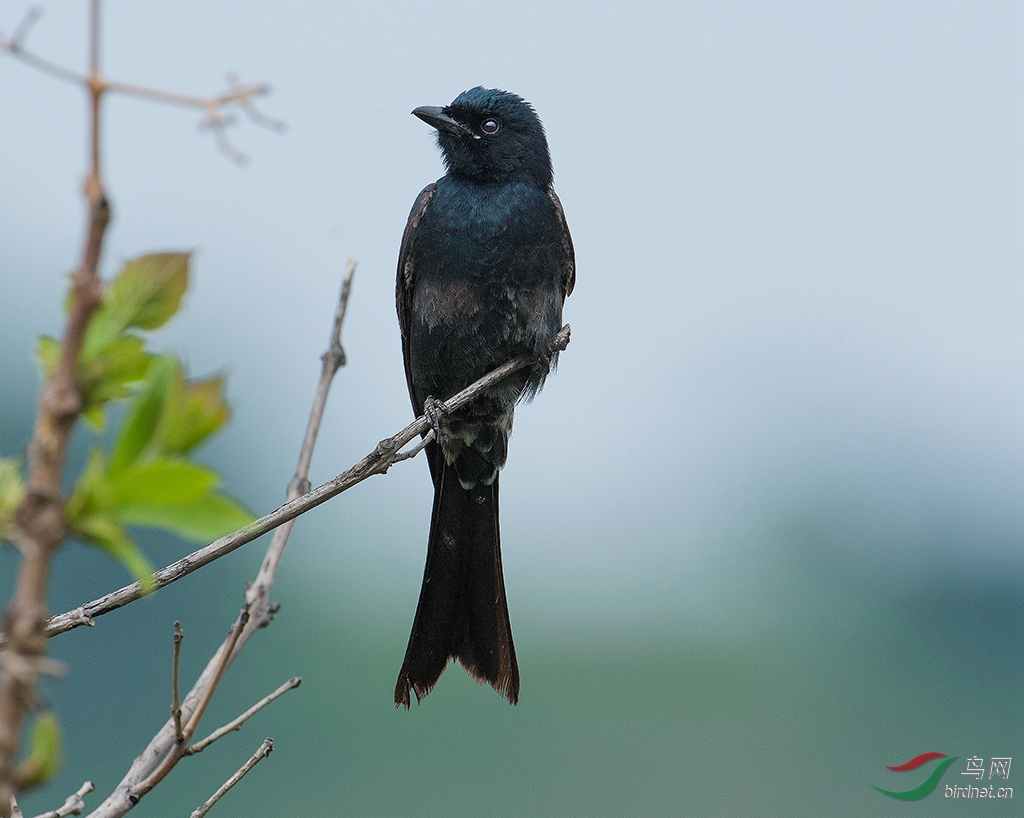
x: 485, y: 265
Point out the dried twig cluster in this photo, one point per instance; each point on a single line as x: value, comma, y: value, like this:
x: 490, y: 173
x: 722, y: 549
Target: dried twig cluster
x: 39, y: 528
x: 216, y: 109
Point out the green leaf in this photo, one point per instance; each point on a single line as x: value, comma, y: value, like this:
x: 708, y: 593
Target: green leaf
x: 148, y: 290
x: 106, y: 533
x: 110, y: 373
x: 194, y: 411
x: 161, y: 482
x: 47, y: 352
x: 89, y: 514
x: 91, y: 494
x: 12, y: 490
x: 123, y: 361
x: 43, y: 759
x: 202, y: 520
x: 102, y: 330
x: 139, y: 424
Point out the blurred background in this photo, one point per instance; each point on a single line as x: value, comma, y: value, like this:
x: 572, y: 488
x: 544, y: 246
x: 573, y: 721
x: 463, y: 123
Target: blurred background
x: 762, y: 531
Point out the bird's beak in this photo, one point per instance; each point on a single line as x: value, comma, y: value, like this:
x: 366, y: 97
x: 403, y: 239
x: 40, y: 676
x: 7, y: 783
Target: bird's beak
x: 438, y: 118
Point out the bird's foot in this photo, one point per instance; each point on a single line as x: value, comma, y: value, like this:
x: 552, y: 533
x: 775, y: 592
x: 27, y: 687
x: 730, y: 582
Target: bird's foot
x: 434, y: 410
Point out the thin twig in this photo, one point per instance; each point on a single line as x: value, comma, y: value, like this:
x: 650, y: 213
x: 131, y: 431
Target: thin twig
x: 73, y: 805
x: 244, y: 101
x: 179, y: 634
x: 236, y: 724
x: 29, y: 20
x: 179, y: 746
x: 385, y: 454
x: 265, y: 749
x: 15, y: 45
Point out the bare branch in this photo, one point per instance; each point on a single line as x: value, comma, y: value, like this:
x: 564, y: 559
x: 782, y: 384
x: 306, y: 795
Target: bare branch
x: 240, y: 95
x: 39, y: 528
x: 385, y: 454
x: 257, y: 612
x: 74, y: 804
x: 222, y: 665
x: 236, y: 724
x: 39, y: 525
x: 265, y: 749
x: 218, y: 123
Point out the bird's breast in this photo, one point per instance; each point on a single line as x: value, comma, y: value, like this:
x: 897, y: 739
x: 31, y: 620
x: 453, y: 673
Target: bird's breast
x: 484, y: 236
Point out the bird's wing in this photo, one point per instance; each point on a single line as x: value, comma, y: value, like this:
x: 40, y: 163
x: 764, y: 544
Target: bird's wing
x: 569, y: 273
x: 405, y: 284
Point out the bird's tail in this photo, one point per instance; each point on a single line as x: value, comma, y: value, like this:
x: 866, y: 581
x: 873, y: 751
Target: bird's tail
x: 462, y: 612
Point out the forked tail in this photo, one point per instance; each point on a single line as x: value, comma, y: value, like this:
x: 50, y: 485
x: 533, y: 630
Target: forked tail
x: 462, y: 612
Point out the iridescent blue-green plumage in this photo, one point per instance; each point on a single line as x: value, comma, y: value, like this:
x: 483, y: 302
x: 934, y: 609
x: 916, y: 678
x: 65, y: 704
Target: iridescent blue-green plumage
x: 485, y: 265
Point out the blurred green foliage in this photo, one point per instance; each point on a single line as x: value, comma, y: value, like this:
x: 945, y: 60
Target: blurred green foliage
x: 43, y: 759
x: 147, y: 476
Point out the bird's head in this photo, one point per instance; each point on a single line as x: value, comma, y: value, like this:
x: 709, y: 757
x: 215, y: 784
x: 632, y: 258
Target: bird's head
x: 491, y: 136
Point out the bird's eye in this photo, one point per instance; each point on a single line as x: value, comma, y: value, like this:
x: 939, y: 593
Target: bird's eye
x: 489, y: 126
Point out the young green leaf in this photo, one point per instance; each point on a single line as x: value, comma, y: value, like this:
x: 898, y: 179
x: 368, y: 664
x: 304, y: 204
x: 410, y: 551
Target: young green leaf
x: 139, y: 424
x: 95, y: 417
x: 203, y: 520
x: 91, y: 494
x: 194, y: 411
x: 43, y: 759
x: 103, y: 329
x: 145, y: 480
x: 47, y: 352
x: 12, y: 490
x: 111, y: 372
x: 161, y: 482
x: 148, y: 290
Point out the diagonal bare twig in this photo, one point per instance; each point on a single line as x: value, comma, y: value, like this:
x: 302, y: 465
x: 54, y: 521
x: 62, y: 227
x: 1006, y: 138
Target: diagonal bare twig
x: 264, y: 750
x: 236, y: 724
x: 29, y: 20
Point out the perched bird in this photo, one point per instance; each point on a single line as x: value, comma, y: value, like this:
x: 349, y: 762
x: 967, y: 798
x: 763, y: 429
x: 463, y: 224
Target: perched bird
x: 485, y: 265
